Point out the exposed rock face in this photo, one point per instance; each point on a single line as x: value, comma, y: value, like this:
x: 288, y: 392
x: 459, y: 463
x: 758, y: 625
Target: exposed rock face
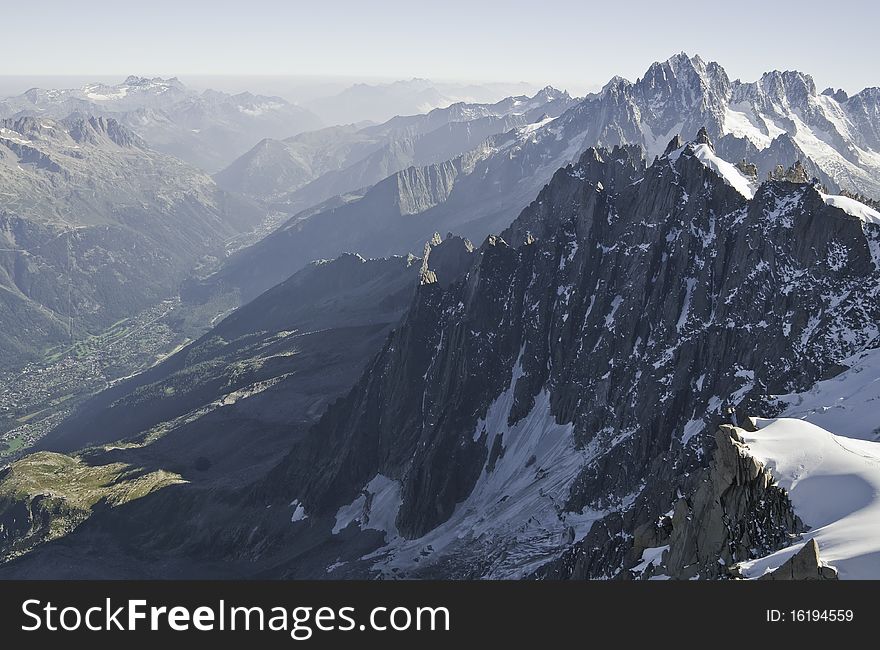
x: 26, y: 522
x: 735, y: 514
x: 45, y: 496
x: 804, y: 565
x: 444, y: 261
x: 794, y: 174
x: 748, y: 169
x: 630, y: 305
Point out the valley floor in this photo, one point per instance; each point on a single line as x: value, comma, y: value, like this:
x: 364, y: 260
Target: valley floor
x: 38, y: 396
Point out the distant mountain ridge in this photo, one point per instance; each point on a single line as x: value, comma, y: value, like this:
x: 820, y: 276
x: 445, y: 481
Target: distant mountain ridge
x: 207, y: 129
x: 378, y: 102
x: 304, y: 170
x: 835, y: 132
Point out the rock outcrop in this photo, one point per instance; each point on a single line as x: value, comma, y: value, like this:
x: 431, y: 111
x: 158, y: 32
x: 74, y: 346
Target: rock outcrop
x: 803, y: 565
x: 735, y: 514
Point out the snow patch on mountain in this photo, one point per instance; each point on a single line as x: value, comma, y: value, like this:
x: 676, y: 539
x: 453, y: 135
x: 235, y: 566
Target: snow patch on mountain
x: 299, y: 511
x: 374, y: 508
x: 653, y: 555
x: 730, y: 174
x: 516, y: 509
x: 741, y: 121
x: 531, y: 128
x: 834, y: 485
x: 117, y: 93
x: 853, y: 208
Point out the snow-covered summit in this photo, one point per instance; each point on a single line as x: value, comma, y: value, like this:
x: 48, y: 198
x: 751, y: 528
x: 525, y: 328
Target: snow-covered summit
x: 775, y: 119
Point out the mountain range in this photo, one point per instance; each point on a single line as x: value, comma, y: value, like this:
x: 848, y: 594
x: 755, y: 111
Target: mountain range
x: 545, y: 406
x: 207, y: 129
x: 94, y: 226
x: 658, y: 362
x: 775, y: 121
x: 304, y: 170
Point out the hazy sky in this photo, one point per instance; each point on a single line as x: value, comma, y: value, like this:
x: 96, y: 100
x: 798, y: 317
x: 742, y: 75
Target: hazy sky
x: 572, y: 44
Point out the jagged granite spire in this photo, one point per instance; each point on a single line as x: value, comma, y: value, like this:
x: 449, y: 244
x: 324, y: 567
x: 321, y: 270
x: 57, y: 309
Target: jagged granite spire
x: 445, y: 260
x: 676, y: 143
x: 703, y: 137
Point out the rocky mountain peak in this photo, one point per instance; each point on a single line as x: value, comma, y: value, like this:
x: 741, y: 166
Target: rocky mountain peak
x: 676, y: 143
x: 90, y: 128
x: 595, y: 165
x: 681, y: 93
x: 687, y: 72
x: 445, y: 260
x: 549, y: 93
x: 703, y: 137
x: 682, y: 63
x: 617, y: 85
x: 788, y: 88
x: 136, y: 81
x: 838, y: 95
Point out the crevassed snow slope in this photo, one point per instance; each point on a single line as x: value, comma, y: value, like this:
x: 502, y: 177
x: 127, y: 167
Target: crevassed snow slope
x: 848, y: 404
x: 834, y: 486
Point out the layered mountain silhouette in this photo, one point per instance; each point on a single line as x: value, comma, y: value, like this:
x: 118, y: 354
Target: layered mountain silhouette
x: 207, y: 129
x: 778, y: 120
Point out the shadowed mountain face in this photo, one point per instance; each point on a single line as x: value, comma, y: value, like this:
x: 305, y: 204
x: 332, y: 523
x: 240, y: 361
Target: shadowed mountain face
x: 220, y: 412
x: 95, y: 226
x: 208, y: 129
x: 777, y: 120
x: 327, y: 315
x: 543, y: 403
